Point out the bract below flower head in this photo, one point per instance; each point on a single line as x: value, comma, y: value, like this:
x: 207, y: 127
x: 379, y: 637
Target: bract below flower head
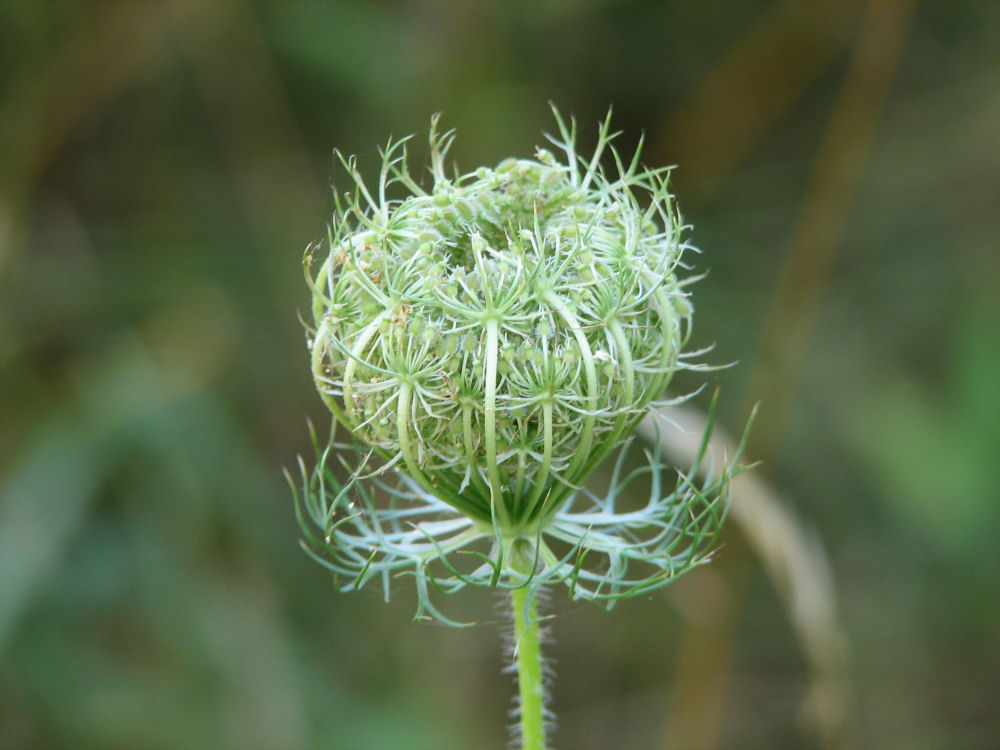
x: 498, y: 334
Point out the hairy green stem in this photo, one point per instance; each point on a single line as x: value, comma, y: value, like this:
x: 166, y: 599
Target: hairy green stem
x: 528, y: 655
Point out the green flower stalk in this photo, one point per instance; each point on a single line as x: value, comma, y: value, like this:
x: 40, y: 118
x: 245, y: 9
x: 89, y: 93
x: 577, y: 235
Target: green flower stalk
x: 488, y: 341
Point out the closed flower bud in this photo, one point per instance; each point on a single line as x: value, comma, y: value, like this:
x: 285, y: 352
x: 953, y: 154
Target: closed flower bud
x: 525, y: 256
x: 492, y: 340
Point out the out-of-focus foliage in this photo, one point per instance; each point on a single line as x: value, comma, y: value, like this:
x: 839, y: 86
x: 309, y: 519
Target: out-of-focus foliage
x: 162, y: 167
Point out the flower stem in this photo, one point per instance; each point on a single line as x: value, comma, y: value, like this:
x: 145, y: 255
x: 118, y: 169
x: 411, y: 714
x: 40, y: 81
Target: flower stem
x: 528, y: 655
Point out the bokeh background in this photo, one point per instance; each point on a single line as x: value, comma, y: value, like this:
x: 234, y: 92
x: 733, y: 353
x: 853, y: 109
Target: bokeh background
x: 164, y: 164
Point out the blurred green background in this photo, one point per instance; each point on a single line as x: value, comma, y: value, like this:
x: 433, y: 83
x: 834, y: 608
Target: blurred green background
x: 164, y: 164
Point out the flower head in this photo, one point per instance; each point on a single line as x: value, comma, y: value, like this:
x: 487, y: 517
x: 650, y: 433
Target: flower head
x: 493, y: 338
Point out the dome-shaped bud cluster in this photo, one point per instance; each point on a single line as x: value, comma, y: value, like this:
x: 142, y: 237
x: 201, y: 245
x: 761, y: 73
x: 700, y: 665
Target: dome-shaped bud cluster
x: 496, y: 336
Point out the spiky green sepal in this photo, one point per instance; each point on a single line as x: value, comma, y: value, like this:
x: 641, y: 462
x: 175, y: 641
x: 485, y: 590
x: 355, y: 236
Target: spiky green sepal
x: 370, y: 532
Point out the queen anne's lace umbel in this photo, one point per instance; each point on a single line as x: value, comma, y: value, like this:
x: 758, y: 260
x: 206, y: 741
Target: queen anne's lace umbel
x: 492, y: 339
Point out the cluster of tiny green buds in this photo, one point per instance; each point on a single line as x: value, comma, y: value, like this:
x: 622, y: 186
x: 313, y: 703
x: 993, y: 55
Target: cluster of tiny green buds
x: 492, y: 339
